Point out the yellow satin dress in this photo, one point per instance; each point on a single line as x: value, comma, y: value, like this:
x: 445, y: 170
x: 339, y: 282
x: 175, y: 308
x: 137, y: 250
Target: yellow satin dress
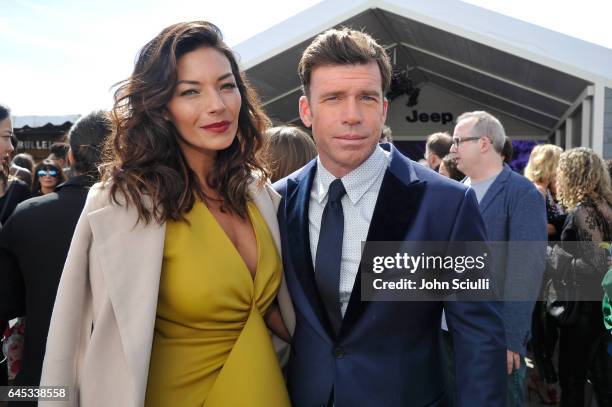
x: 211, y: 346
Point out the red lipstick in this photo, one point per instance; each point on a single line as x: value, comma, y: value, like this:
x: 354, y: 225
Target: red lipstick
x: 218, y: 127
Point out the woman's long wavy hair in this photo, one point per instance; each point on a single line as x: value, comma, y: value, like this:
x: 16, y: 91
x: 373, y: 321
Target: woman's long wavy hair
x: 143, y: 158
x: 582, y: 175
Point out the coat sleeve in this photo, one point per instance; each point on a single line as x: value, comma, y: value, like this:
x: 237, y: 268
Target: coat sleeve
x: 476, y: 327
x: 525, y: 265
x: 71, y: 320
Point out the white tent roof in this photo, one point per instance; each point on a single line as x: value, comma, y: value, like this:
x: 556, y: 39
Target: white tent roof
x: 40, y: 121
x: 511, y: 66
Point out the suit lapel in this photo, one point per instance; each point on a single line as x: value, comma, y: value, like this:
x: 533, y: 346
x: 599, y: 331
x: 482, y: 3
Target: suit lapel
x: 298, y: 237
x: 495, y: 188
x: 130, y: 257
x: 397, y: 205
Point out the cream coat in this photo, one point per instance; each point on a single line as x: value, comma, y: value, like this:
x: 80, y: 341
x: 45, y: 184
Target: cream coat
x: 101, y: 332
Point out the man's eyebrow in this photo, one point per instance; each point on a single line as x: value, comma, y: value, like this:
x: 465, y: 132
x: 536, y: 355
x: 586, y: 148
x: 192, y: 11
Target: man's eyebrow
x: 370, y: 92
x: 331, y: 93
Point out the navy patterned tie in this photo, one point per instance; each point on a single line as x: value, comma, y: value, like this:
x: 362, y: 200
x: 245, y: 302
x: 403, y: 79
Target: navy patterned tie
x: 329, y: 253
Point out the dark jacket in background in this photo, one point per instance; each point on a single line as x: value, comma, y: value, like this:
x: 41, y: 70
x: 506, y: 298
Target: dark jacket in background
x: 34, y: 243
x: 17, y: 191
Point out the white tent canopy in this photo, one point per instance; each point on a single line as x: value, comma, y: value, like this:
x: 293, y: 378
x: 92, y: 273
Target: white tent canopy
x: 551, y: 82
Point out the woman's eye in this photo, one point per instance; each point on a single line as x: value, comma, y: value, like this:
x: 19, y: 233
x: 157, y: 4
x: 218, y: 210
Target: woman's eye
x: 188, y: 92
x: 229, y: 85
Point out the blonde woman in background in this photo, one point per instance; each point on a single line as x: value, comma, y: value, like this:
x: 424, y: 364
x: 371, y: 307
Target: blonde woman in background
x: 541, y: 170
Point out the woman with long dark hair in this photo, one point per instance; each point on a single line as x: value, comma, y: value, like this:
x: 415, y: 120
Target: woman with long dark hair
x: 175, y: 264
x: 12, y: 190
x: 47, y: 175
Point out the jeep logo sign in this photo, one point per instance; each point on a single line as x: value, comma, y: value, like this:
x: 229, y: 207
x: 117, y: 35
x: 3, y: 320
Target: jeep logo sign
x: 444, y: 117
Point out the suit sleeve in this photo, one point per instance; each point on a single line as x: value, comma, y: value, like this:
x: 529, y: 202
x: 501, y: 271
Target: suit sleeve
x: 525, y: 265
x: 12, y: 288
x: 476, y: 327
x: 71, y: 321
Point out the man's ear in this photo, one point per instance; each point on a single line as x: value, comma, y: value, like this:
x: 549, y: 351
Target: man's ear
x: 485, y: 144
x: 305, y: 112
x: 385, y: 108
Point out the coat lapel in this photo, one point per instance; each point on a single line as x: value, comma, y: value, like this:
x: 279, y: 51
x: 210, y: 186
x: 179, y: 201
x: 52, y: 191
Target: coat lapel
x: 397, y: 204
x: 298, y: 236
x: 495, y: 188
x: 267, y: 200
x: 130, y: 257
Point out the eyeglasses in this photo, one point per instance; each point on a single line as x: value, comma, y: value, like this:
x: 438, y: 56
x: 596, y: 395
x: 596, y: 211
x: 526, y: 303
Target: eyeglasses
x: 50, y: 173
x: 457, y: 141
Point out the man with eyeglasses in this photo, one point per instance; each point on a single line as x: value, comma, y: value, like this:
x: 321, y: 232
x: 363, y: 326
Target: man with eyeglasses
x: 513, y: 210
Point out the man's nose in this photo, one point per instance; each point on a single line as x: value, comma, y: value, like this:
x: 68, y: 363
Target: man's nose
x: 352, y: 113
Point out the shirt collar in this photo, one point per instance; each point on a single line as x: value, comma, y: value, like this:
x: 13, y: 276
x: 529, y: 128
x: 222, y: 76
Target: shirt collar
x: 356, y: 182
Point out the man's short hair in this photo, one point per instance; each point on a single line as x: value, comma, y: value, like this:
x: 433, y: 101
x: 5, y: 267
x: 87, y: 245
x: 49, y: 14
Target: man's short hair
x: 343, y: 47
x: 60, y: 151
x: 86, y: 138
x: 439, y: 144
x: 486, y: 125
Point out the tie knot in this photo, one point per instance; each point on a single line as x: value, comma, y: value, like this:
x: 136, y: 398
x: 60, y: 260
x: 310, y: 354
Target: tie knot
x: 336, y: 191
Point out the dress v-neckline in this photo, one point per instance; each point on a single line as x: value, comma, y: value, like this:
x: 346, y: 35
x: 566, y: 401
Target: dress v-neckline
x: 252, y: 276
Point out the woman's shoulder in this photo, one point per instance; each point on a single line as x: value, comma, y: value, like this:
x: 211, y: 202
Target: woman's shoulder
x: 18, y: 184
x: 259, y: 184
x: 100, y: 195
x: 20, y: 190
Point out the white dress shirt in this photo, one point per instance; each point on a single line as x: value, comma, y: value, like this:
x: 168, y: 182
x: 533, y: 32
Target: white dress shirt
x: 362, y: 186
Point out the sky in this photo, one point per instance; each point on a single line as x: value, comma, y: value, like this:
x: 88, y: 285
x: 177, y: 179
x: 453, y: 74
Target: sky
x: 60, y: 57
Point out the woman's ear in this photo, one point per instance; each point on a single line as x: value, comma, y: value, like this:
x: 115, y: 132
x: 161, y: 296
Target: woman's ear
x: 166, y: 115
x: 70, y: 157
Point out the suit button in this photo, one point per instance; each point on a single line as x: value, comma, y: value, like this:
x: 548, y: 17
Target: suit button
x: 338, y: 353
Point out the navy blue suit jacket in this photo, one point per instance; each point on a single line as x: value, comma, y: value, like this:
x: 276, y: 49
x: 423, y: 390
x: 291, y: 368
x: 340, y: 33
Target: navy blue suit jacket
x: 514, y: 211
x: 390, y: 353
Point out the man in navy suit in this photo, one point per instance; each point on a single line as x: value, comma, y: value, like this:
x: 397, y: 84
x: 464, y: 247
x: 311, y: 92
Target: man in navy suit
x: 347, y: 352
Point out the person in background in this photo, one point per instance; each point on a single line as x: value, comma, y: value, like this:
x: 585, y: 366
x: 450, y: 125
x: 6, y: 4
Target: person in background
x: 513, y: 210
x: 541, y: 169
x: 12, y: 191
x: 22, y: 166
x: 507, y: 152
x: 47, y: 175
x: 287, y: 149
x: 386, y: 136
x: 29, y: 282
x: 59, y: 153
x: 24, y: 160
x: 177, y: 304
x: 583, y: 186
x: 437, y: 147
x: 448, y: 168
